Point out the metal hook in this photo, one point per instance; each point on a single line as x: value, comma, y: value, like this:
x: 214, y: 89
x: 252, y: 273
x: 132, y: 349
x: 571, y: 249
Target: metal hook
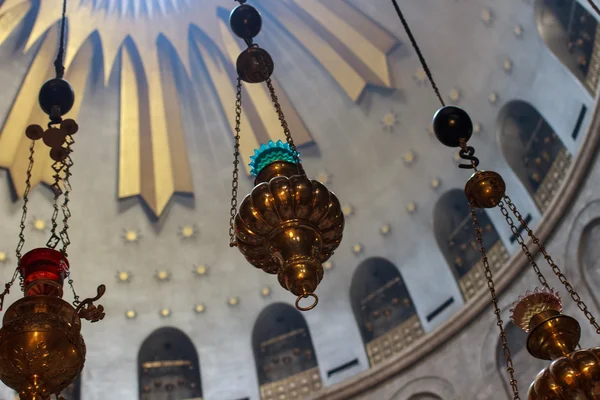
x: 467, y: 153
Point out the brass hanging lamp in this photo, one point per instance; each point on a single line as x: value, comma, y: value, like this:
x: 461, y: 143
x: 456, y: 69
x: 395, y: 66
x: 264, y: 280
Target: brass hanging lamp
x: 288, y: 225
x: 573, y: 374
x: 41, y: 347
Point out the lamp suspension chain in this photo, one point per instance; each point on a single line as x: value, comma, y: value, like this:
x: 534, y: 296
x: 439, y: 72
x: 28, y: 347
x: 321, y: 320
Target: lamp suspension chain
x: 521, y: 241
x: 594, y: 6
x: 415, y: 46
x: 490, y: 283
x: 236, y: 163
x: 555, y: 268
x: 284, y: 125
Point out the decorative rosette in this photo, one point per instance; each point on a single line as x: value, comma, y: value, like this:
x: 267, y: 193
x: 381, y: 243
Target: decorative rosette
x: 533, y: 303
x: 269, y: 153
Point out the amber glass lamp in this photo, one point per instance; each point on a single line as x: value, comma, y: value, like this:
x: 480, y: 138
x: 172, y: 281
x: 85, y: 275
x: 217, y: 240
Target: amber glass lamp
x: 288, y: 225
x: 41, y: 347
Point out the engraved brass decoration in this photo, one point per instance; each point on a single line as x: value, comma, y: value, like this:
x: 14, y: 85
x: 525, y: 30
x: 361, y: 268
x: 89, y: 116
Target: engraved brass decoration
x: 153, y: 157
x: 289, y: 225
x: 573, y: 374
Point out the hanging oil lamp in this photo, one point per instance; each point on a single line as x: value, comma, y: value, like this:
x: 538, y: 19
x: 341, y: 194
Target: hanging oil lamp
x: 553, y: 336
x: 573, y: 373
x: 41, y: 347
x: 288, y: 225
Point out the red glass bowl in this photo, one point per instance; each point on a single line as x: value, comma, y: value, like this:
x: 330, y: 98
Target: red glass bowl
x: 43, y: 265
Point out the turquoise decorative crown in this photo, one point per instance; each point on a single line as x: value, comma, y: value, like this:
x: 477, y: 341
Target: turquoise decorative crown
x: 269, y: 153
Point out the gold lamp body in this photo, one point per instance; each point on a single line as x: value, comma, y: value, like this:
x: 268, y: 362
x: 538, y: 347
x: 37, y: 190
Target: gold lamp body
x: 289, y: 225
x: 573, y: 374
x: 41, y: 347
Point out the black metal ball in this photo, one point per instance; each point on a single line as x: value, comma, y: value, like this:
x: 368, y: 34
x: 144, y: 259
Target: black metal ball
x: 57, y: 93
x: 245, y: 21
x: 451, y: 124
x: 254, y: 65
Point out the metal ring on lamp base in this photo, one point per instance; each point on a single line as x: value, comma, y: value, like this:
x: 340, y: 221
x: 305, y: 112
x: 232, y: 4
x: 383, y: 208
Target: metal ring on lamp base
x: 305, y: 296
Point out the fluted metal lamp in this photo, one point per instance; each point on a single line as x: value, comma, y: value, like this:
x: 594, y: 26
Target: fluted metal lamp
x: 288, y: 225
x: 41, y: 347
x: 573, y: 374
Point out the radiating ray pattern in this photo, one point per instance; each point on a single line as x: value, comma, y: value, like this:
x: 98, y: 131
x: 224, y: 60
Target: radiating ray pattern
x: 153, y: 158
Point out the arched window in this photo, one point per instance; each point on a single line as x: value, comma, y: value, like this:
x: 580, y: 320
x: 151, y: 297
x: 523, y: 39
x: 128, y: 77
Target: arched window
x: 590, y: 252
x: 284, y: 354
x: 526, y: 366
x: 168, y: 367
x: 457, y: 240
x: 73, y: 391
x: 570, y: 33
x: 383, y: 309
x: 533, y: 150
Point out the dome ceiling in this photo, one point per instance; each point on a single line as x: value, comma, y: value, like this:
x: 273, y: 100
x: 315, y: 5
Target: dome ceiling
x: 156, y: 94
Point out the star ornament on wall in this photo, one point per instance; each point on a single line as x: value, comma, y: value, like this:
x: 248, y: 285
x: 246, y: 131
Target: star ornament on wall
x: 389, y: 121
x: 146, y: 44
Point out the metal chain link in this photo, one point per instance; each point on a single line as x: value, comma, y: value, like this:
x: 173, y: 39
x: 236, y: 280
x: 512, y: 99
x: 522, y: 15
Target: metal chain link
x: 22, y: 224
x: 284, y: 125
x: 524, y: 247
x: 64, y: 236
x: 53, y: 241
x: 25, y: 201
x: 236, y: 163
x: 490, y: 282
x: 557, y: 271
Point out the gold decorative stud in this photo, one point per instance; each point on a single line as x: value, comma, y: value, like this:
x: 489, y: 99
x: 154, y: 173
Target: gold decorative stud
x: 165, y: 312
x: 507, y: 65
x: 487, y: 17
x: 328, y: 265
x: 420, y: 76
x: 456, y: 156
x: 200, y: 270
x: 493, y: 98
x: 389, y: 120
x: 233, y: 301
x: 409, y: 158
x: 199, y: 308
x: 348, y: 210
x: 188, y: 232
x: 435, y: 183
x: 265, y: 292
x: 518, y: 31
x: 323, y: 177
x: 130, y: 314
x: 477, y: 127
x: 411, y: 207
x: 357, y: 248
x: 162, y: 276
x: 123, y: 276
x: 3, y: 257
x: 455, y: 95
x: 385, y: 229
x: 39, y: 224
x: 131, y: 235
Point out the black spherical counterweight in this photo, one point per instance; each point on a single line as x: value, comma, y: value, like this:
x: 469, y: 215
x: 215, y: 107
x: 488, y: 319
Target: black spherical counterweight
x: 56, y: 94
x: 245, y: 21
x: 452, y: 124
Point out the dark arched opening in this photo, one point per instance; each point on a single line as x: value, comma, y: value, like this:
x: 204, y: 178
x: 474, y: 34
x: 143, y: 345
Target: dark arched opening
x: 168, y: 367
x: 569, y: 31
x: 284, y: 354
x: 533, y: 150
x: 457, y: 241
x: 383, y: 308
